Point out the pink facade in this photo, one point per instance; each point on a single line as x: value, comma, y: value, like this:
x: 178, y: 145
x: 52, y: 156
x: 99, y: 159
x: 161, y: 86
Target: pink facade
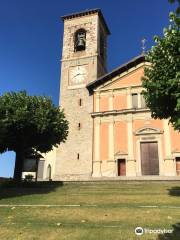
x: 104, y: 141
x: 134, y: 135
x: 120, y: 137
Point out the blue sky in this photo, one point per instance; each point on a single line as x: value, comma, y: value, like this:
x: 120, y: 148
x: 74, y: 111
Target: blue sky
x: 31, y: 40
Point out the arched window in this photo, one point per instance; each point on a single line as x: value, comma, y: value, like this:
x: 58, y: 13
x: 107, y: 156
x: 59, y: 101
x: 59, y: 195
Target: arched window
x: 80, y: 40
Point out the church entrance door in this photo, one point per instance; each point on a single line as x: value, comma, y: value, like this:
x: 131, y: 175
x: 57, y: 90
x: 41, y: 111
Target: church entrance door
x: 149, y: 158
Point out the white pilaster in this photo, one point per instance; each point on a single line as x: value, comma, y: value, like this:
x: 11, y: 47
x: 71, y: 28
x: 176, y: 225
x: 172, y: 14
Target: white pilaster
x: 129, y: 100
x: 96, y: 160
x: 97, y: 101
x: 130, y: 138
x: 131, y: 164
x: 169, y: 164
x: 139, y: 100
x: 167, y: 139
x: 110, y: 100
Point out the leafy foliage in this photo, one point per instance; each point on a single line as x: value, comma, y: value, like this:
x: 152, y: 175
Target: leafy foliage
x: 162, y: 78
x: 30, y: 124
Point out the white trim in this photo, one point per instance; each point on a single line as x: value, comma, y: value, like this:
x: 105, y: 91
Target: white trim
x: 148, y: 130
x: 129, y: 101
x: 139, y: 100
x: 167, y: 139
x: 97, y: 100
x: 96, y: 160
x: 110, y: 101
x: 130, y: 163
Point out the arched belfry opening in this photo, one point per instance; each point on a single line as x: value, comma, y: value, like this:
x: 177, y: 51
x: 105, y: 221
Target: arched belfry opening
x: 80, y: 40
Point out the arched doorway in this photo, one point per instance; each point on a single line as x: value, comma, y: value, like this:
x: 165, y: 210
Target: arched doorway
x: 48, y: 176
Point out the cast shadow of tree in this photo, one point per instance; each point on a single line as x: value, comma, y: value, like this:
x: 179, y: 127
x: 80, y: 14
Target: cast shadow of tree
x: 11, y: 189
x: 174, y: 191
x: 175, y: 235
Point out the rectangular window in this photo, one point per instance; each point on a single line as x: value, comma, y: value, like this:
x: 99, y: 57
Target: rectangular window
x: 80, y: 102
x: 143, y: 103
x: 134, y: 100
x: 79, y: 126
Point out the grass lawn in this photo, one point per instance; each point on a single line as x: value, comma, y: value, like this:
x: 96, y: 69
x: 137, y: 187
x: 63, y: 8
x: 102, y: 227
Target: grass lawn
x: 89, y: 211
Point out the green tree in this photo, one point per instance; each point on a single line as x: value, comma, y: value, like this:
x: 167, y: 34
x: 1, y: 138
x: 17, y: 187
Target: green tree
x: 178, y: 8
x: 29, y: 124
x: 162, y: 78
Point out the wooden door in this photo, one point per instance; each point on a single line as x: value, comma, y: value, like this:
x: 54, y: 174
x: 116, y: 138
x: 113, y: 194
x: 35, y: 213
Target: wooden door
x: 121, y: 167
x: 178, y: 166
x: 149, y: 158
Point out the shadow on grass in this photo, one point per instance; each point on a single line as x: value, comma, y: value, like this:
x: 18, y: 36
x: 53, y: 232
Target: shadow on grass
x: 175, y: 235
x: 10, y: 188
x: 174, y: 191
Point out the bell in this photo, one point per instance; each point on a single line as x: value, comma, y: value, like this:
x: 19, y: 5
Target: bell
x: 80, y: 42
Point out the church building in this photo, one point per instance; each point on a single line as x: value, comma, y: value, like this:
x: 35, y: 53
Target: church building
x: 111, y: 132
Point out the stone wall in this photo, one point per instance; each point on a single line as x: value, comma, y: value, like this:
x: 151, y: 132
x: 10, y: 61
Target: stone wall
x: 74, y: 157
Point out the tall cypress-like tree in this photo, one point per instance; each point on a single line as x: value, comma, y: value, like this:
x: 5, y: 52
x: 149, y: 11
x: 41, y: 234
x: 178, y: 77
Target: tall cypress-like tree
x: 29, y: 124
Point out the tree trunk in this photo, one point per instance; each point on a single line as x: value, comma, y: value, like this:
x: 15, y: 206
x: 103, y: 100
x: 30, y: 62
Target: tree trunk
x: 18, y: 166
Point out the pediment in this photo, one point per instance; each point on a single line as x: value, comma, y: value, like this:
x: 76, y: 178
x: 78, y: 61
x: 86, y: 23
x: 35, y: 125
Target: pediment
x: 148, y: 130
x: 121, y: 70
x: 120, y: 153
x: 128, y: 78
x: 109, y: 85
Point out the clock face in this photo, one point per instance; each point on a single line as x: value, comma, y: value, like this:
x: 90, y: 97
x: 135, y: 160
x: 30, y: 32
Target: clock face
x: 78, y: 74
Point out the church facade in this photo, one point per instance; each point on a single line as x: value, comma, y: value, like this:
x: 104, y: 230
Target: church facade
x: 111, y: 132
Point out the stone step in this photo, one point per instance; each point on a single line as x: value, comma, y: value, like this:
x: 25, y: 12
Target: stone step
x: 118, y: 178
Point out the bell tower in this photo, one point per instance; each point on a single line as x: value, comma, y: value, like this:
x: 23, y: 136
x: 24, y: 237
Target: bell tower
x: 83, y: 61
